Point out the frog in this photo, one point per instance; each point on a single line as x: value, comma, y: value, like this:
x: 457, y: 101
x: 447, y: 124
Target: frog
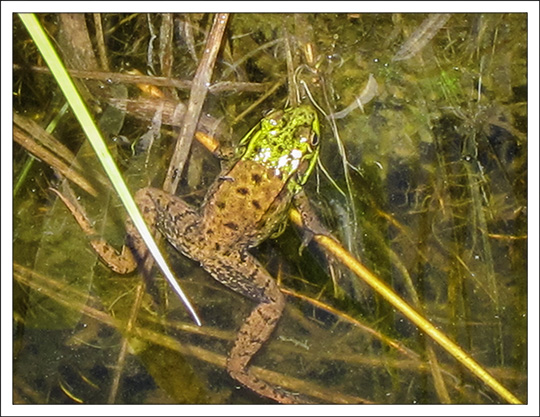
x: 246, y: 204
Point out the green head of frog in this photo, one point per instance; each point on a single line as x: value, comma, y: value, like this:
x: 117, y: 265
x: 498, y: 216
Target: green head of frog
x: 286, y: 142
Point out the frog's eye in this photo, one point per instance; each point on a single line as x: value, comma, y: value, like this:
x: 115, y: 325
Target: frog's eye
x: 266, y: 113
x: 314, y: 140
x: 273, y: 117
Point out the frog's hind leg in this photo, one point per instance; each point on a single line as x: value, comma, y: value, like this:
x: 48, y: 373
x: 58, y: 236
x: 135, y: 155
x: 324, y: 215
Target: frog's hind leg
x: 167, y: 213
x: 252, y: 280
x: 157, y: 208
x: 122, y: 262
x: 255, y: 330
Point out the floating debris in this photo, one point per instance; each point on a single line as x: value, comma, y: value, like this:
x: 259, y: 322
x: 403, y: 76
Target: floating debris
x: 421, y: 36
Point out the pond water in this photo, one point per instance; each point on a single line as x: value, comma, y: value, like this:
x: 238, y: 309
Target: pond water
x: 424, y: 180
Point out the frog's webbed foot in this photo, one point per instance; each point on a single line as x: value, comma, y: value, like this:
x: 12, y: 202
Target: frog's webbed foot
x: 120, y: 262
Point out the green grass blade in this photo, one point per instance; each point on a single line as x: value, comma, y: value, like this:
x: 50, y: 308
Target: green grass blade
x: 81, y: 112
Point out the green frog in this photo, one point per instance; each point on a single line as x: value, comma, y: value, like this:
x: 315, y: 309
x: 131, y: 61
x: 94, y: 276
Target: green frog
x: 246, y: 204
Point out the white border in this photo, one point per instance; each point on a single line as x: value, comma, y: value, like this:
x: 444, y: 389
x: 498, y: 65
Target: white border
x: 8, y: 8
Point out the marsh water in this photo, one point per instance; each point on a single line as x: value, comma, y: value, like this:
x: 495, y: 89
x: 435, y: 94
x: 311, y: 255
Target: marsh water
x: 423, y: 178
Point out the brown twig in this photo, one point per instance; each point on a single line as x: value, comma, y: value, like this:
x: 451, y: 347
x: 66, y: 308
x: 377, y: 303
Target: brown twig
x: 196, y: 100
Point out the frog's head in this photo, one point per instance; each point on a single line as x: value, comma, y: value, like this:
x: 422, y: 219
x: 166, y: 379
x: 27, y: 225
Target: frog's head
x: 285, y: 141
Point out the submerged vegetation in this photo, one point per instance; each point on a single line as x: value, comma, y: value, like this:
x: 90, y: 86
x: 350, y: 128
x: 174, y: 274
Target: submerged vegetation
x: 423, y: 177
